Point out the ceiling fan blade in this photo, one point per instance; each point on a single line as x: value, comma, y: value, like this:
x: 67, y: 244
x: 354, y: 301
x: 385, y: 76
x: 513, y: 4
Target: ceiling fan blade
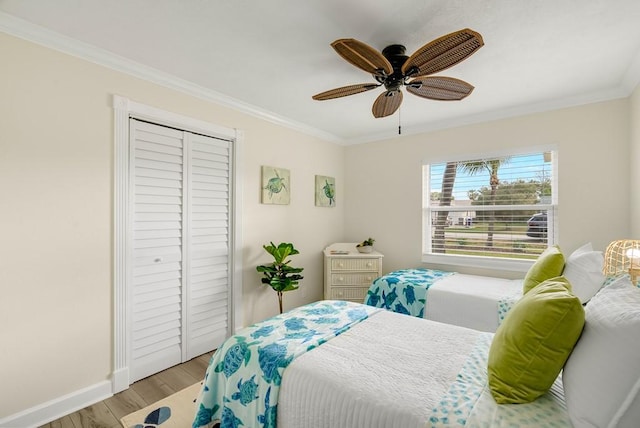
x: 439, y: 88
x: 387, y: 103
x: 443, y: 53
x: 362, y: 56
x: 344, y: 91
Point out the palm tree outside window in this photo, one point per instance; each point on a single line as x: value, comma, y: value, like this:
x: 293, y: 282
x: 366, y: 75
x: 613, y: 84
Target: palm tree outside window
x: 500, y: 207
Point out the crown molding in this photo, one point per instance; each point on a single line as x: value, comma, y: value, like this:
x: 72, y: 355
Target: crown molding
x: 34, y: 33
x: 42, y: 36
x: 622, y: 91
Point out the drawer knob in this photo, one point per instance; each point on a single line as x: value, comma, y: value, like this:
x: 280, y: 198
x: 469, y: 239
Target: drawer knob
x: 340, y: 294
x: 341, y: 264
x: 369, y: 264
x: 341, y: 279
x: 369, y: 278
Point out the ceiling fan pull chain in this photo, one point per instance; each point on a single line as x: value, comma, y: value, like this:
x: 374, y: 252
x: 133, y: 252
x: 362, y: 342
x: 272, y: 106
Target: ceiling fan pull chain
x: 399, y: 127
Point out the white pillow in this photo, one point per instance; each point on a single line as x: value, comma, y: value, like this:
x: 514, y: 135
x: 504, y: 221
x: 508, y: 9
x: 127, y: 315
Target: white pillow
x: 586, y: 248
x: 583, y: 269
x: 602, y: 375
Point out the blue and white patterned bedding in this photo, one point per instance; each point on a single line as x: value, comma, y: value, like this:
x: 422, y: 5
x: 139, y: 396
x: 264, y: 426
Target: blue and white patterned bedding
x: 404, y: 291
x: 243, y: 378
x: 375, y: 369
x: 472, y: 301
x: 469, y: 403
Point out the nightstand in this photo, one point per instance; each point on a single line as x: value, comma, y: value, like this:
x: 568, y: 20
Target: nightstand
x: 349, y: 273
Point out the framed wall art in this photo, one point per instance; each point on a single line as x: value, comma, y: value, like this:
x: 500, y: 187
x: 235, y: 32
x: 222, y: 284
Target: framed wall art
x: 276, y: 185
x: 325, y: 190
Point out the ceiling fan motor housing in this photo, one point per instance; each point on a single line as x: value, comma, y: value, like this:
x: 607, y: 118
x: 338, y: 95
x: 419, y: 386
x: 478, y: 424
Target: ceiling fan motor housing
x: 395, y: 54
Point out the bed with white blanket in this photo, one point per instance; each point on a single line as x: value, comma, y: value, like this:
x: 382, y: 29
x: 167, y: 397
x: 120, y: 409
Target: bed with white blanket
x: 481, y: 302
x: 474, y: 301
x: 334, y: 364
x: 350, y: 365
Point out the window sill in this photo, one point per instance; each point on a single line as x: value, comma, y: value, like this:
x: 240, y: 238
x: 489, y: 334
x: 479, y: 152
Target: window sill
x: 514, y: 265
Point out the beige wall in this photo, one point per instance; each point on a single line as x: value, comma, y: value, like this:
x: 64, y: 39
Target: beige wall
x: 56, y: 203
x: 634, y: 162
x: 384, y: 193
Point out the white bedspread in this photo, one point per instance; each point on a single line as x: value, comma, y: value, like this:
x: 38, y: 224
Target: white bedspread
x: 386, y: 372
x: 397, y: 371
x: 471, y: 301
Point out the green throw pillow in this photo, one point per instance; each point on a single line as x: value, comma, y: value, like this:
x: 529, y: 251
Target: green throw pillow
x: 548, y: 265
x: 533, y: 342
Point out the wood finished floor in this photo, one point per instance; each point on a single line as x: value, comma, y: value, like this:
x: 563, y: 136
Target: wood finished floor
x: 107, y: 413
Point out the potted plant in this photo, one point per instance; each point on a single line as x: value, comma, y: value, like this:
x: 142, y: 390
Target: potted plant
x: 278, y: 274
x: 366, y: 246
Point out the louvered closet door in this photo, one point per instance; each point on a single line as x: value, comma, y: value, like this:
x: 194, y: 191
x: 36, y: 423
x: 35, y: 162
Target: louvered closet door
x: 180, y: 246
x: 208, y: 249
x: 157, y: 180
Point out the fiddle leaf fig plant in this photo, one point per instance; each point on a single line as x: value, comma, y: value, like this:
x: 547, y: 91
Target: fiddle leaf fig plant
x: 279, y: 274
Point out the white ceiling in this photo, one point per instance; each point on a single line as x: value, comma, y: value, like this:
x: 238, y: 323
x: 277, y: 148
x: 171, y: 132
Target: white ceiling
x: 270, y: 56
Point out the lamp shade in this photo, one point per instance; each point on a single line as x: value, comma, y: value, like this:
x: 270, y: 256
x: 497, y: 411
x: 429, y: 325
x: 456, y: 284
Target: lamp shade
x: 621, y: 256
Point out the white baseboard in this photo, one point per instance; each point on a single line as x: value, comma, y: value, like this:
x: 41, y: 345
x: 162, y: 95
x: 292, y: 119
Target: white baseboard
x: 120, y: 380
x: 59, y: 407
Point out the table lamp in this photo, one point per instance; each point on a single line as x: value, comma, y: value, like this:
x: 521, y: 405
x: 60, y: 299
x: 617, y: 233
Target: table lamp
x: 623, y: 256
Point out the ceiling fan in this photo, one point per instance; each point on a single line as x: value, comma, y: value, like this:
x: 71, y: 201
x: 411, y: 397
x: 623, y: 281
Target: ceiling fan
x: 393, y: 69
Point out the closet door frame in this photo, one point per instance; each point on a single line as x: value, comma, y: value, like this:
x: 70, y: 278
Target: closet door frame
x: 124, y: 109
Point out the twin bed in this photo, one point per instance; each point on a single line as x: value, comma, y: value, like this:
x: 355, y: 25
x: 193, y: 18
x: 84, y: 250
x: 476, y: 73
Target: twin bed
x: 479, y: 302
x: 472, y: 301
x: 342, y: 364
x: 422, y: 374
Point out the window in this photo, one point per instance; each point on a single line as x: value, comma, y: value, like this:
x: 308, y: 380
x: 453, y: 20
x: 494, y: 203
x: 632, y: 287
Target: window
x: 497, y: 212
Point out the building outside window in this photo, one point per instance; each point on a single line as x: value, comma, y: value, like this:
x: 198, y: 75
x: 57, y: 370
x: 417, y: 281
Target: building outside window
x: 495, y: 212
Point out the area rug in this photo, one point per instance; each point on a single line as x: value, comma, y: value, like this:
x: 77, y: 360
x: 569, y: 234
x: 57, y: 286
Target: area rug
x: 174, y: 411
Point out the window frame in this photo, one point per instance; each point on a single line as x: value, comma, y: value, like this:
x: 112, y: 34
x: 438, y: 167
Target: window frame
x: 487, y: 262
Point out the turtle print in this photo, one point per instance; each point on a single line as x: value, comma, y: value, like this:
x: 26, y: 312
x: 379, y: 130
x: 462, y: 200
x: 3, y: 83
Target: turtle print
x: 269, y: 417
x: 229, y: 419
x: 275, y: 184
x: 271, y: 358
x: 409, y: 294
x: 329, y: 192
x: 247, y: 391
x: 234, y: 357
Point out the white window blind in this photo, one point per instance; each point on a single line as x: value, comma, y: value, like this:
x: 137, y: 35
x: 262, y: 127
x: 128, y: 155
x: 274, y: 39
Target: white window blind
x: 501, y: 207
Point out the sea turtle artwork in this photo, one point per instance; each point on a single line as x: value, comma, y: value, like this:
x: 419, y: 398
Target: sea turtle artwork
x: 329, y: 192
x: 275, y: 185
x: 325, y: 191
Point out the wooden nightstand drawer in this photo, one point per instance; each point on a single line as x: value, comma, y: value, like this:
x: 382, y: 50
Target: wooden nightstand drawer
x: 355, y: 264
x: 355, y: 294
x: 353, y: 278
